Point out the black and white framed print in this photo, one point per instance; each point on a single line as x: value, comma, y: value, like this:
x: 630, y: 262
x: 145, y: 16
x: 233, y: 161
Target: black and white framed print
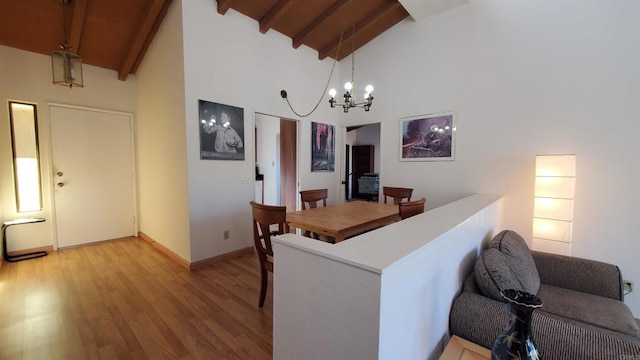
x: 221, y: 131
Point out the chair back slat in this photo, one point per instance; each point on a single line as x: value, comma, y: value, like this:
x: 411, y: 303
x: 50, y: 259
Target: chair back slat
x: 411, y: 208
x: 312, y: 198
x: 268, y: 221
x: 397, y: 193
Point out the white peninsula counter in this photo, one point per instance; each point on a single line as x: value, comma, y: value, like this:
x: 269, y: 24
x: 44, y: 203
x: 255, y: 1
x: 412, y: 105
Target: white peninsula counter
x: 385, y: 294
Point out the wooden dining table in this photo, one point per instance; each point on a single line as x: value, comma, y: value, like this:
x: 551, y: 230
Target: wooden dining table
x: 344, y: 220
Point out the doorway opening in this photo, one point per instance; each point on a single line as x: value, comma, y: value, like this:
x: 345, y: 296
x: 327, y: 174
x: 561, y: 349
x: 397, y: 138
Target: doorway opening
x: 361, y: 165
x: 276, y: 161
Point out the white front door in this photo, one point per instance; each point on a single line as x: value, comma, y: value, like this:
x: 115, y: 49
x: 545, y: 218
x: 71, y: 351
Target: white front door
x: 93, y: 175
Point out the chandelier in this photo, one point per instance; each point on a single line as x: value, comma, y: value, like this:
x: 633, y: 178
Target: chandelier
x: 65, y: 65
x: 349, y: 100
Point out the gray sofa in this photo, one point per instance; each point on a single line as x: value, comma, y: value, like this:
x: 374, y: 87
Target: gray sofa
x: 583, y: 314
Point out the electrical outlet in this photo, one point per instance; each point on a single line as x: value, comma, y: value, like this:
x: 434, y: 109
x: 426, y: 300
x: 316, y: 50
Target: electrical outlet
x: 628, y: 286
x: 226, y: 234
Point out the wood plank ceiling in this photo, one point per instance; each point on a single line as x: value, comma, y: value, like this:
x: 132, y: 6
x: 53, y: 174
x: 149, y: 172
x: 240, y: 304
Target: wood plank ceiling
x: 318, y: 24
x: 112, y: 34
x: 115, y: 34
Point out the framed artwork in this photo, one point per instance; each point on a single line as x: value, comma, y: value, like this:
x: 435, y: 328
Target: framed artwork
x: 323, y: 151
x: 221, y: 131
x: 428, y: 137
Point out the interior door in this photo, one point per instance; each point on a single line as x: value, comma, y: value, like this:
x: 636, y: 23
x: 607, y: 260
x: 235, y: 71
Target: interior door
x: 288, y: 164
x: 93, y: 169
x: 346, y: 182
x: 362, y: 162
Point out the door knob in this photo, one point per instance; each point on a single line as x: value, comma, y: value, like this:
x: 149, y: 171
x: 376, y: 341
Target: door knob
x: 60, y: 184
x: 59, y: 173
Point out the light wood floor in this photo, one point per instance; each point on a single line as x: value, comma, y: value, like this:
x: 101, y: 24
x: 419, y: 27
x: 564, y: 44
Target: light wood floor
x: 123, y: 299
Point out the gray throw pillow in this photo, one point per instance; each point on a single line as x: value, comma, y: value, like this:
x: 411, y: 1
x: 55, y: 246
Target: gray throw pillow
x: 506, y: 264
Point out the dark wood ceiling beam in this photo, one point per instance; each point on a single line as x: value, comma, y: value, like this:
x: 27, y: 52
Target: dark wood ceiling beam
x: 140, y: 39
x: 274, y: 14
x: 361, y: 26
x: 299, y: 38
x: 224, y: 6
x: 77, y: 22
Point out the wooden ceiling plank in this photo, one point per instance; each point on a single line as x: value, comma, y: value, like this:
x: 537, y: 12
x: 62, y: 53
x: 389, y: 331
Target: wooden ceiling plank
x: 140, y: 39
x: 274, y: 14
x: 223, y: 6
x: 299, y: 38
x: 152, y: 34
x: 77, y: 22
x: 360, y: 26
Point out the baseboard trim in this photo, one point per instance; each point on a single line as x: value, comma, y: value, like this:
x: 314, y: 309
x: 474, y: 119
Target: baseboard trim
x: 216, y: 259
x: 173, y: 256
x: 194, y: 265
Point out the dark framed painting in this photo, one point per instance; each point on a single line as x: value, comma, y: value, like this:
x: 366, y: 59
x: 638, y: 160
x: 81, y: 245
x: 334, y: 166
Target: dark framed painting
x: 428, y: 137
x: 221, y: 131
x: 323, y: 150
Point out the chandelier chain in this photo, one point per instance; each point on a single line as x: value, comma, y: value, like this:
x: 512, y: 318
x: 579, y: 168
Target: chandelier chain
x: 64, y: 24
x: 349, y: 100
x: 326, y: 86
x: 353, y: 42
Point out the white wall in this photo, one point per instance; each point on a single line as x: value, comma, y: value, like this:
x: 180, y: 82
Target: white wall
x: 161, y: 139
x: 268, y: 143
x: 228, y: 61
x: 26, y: 76
x: 385, y: 294
x: 525, y: 78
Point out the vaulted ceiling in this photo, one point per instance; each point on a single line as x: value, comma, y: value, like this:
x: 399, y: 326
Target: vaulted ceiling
x: 115, y: 34
x: 320, y: 24
x: 112, y: 34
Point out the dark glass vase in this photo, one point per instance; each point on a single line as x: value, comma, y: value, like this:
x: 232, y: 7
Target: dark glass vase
x: 516, y: 342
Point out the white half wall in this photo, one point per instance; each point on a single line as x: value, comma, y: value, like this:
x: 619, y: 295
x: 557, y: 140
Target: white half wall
x: 385, y: 294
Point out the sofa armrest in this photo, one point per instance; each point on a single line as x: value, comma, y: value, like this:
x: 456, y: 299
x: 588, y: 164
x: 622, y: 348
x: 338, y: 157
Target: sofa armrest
x: 477, y: 318
x: 588, y: 276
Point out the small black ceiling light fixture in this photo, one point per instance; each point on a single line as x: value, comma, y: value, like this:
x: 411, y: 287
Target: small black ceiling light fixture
x: 349, y: 100
x: 65, y: 65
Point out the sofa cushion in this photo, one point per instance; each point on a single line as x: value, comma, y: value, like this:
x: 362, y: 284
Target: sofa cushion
x: 506, y: 264
x: 588, y: 309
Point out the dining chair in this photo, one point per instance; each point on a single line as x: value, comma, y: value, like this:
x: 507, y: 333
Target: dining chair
x: 411, y: 208
x: 397, y: 193
x: 265, y: 219
x: 312, y: 199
